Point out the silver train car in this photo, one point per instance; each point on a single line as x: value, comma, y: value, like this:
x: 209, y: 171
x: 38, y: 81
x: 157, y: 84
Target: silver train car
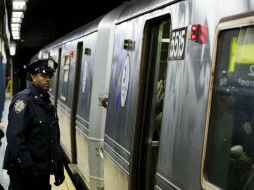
x: 158, y: 95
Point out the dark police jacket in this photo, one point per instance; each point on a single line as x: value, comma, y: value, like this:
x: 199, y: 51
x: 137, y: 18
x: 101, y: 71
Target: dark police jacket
x: 1, y: 136
x: 33, y: 134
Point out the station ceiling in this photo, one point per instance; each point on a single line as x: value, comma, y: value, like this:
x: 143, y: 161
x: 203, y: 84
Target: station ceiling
x: 46, y: 20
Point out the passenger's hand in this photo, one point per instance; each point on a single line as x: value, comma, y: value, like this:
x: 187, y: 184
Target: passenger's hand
x: 160, y: 91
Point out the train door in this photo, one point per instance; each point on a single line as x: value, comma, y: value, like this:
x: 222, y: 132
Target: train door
x: 75, y: 101
x: 56, y: 80
x: 56, y: 55
x: 67, y: 95
x: 152, y: 98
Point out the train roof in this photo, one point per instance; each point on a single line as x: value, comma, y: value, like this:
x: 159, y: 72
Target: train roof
x: 137, y: 8
x: 78, y: 33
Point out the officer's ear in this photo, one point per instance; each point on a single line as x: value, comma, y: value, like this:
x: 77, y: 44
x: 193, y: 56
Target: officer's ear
x: 33, y: 77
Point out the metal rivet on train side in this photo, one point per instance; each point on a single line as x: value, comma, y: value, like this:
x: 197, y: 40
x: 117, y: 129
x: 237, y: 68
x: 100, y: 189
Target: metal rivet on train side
x: 40, y: 121
x: 35, y: 97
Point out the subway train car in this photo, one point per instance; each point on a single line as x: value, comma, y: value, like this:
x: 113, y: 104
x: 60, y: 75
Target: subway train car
x: 82, y: 55
x: 2, y: 83
x: 158, y: 95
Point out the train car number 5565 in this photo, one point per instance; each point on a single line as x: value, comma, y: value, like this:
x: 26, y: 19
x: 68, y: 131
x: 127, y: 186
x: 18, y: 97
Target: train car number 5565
x: 177, y: 44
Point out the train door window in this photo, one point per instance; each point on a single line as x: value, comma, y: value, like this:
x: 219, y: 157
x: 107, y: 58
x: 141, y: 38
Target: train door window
x: 230, y: 153
x: 57, y: 75
x: 66, y: 69
x: 154, y: 92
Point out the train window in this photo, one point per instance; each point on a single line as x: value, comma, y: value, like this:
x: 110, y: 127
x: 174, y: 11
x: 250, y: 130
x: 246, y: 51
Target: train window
x: 66, y: 69
x: 230, y: 153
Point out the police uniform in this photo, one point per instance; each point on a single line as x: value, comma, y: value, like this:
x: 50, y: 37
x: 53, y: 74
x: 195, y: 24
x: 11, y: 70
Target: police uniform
x: 33, y: 151
x: 1, y: 136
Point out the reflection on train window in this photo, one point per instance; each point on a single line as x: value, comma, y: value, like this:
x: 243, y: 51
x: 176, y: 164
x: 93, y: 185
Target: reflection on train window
x: 66, y: 69
x: 230, y: 156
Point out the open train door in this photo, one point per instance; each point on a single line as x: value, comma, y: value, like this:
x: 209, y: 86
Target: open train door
x: 151, y: 100
x: 135, y: 103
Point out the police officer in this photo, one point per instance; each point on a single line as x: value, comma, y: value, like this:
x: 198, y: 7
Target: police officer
x: 33, y: 151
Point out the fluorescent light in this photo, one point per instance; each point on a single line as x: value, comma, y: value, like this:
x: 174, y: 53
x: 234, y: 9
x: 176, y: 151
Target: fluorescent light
x: 19, y: 5
x: 15, y: 33
x: 16, y: 36
x: 16, y: 25
x: 16, y: 20
x: 165, y: 40
x: 15, y: 29
x: 12, y: 48
x: 17, y: 14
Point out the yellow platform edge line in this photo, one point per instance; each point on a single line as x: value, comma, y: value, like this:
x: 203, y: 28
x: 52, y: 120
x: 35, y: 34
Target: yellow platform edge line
x: 68, y: 181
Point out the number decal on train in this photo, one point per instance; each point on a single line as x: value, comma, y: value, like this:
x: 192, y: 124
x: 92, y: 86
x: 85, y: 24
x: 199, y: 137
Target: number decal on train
x: 177, y: 44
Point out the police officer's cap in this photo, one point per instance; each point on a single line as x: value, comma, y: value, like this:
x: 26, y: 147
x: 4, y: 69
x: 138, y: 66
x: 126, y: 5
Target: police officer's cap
x: 46, y: 66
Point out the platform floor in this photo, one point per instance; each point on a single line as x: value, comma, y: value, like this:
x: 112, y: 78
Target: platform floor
x: 4, y: 178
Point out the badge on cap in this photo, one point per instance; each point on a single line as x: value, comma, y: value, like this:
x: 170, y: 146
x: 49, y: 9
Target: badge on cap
x: 51, y: 64
x: 19, y: 106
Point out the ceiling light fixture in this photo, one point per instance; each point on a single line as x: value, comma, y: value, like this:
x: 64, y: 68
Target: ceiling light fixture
x: 19, y: 5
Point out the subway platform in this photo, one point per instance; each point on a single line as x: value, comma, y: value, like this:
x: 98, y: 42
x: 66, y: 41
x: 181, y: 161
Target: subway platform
x: 4, y: 178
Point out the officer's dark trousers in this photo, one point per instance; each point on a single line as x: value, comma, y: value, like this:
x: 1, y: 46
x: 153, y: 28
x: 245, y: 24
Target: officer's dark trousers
x: 29, y: 182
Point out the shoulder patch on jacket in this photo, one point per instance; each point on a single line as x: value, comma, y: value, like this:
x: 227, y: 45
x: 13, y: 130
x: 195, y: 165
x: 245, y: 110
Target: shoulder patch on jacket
x: 19, y: 106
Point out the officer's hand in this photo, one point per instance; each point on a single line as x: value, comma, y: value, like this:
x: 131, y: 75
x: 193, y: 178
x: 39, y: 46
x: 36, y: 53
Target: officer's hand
x: 59, y: 180
x: 59, y: 175
x: 1, y: 126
